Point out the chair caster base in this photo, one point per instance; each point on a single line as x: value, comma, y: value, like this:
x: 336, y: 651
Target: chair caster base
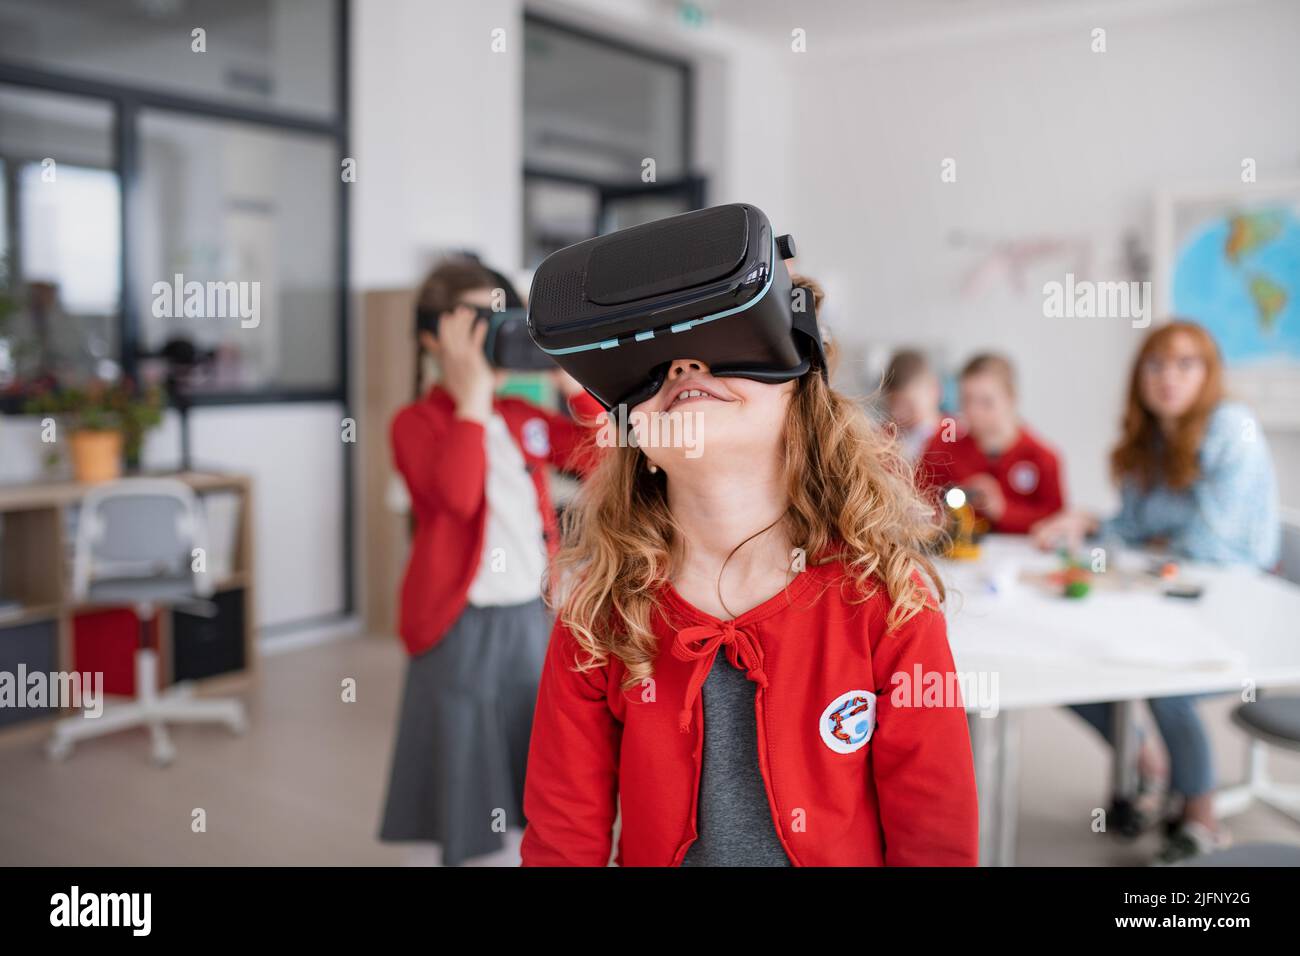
x: 58, y: 749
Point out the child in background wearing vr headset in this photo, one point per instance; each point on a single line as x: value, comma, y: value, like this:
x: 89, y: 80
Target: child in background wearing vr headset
x: 733, y: 625
x: 472, y: 618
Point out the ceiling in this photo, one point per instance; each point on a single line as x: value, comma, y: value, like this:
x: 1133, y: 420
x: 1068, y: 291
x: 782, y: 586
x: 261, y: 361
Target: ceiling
x: 840, y: 19
x: 858, y: 15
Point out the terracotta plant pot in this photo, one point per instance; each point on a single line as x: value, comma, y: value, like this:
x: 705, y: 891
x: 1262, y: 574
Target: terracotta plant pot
x: 96, y: 455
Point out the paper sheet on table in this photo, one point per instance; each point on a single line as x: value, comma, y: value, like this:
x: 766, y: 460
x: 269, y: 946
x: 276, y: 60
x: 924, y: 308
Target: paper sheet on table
x: 1132, y: 630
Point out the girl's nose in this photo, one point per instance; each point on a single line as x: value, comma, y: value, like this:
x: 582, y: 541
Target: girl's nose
x: 682, y: 366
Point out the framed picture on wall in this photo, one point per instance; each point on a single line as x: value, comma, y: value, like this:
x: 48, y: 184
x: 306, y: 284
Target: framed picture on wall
x: 1229, y: 258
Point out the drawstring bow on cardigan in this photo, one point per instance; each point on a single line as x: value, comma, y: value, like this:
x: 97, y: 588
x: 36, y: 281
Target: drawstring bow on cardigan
x: 700, y: 644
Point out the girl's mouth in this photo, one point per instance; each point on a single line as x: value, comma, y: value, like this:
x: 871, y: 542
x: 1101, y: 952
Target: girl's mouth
x: 693, y: 394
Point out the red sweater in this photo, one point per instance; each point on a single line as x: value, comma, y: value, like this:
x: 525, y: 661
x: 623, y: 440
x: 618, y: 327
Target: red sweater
x: 443, y: 460
x: 1028, y: 474
x: 842, y: 793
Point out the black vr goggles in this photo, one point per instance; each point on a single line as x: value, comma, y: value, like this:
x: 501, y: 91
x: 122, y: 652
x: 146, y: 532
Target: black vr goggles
x: 507, y: 345
x: 615, y: 311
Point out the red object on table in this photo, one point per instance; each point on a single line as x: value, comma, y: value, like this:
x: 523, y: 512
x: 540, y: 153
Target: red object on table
x: 107, y: 641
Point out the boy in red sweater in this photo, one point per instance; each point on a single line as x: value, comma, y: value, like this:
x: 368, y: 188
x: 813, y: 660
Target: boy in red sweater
x: 1012, y: 478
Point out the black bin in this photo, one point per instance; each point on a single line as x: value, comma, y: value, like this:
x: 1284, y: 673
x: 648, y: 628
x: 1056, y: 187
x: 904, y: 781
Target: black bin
x: 203, y: 646
x: 34, y: 646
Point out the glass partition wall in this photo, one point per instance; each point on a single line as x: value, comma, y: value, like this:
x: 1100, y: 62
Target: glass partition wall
x: 172, y: 211
x: 170, y: 180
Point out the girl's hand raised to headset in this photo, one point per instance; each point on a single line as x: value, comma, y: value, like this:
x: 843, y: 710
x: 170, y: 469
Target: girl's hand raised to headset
x: 466, y: 374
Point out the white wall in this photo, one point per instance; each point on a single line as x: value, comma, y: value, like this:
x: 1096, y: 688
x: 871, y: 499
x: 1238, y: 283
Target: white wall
x: 436, y: 125
x: 1050, y: 140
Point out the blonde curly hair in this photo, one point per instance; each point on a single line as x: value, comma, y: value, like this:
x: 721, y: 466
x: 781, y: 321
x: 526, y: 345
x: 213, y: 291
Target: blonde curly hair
x: 852, y: 498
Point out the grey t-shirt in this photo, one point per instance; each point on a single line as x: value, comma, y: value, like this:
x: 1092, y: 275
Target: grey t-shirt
x: 734, y: 820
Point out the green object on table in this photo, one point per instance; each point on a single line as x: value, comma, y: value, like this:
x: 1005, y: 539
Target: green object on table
x: 1077, y: 589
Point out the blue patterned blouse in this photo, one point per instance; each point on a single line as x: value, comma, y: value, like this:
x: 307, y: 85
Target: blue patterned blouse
x: 1229, y: 515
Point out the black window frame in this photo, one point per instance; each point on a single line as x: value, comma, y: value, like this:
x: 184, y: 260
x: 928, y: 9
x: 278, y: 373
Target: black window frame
x: 688, y: 183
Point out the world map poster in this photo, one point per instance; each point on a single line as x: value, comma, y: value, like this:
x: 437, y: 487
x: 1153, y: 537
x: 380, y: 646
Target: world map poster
x: 1233, y: 265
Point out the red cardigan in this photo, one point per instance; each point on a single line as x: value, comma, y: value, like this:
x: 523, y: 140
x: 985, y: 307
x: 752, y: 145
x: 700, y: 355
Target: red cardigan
x: 903, y: 796
x: 1028, y: 473
x: 443, y: 460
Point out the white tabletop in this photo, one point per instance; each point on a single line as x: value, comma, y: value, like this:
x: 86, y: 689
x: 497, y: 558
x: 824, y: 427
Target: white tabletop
x: 1120, y: 642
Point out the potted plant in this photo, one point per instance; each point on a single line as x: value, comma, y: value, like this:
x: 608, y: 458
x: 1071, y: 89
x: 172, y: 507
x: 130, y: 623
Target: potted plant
x: 106, y: 422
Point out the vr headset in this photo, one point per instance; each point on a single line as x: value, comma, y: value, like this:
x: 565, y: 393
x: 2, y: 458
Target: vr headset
x: 615, y: 311
x: 508, y: 344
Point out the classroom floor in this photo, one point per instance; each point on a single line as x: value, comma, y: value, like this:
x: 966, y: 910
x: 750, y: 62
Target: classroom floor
x: 305, y: 785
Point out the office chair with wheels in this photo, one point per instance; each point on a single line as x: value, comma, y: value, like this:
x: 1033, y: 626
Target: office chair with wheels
x: 134, y: 546
x: 1271, y: 721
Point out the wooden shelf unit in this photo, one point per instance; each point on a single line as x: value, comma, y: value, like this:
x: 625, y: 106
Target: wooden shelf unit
x: 35, y: 572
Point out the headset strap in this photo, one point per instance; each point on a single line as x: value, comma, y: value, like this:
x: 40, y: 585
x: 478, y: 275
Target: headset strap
x: 805, y: 322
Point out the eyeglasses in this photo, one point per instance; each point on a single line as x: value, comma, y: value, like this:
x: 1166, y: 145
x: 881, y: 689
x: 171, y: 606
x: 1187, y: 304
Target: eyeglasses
x: 1156, y: 365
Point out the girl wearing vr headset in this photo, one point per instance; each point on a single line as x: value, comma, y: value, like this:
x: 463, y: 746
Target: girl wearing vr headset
x: 472, y: 618
x: 750, y: 662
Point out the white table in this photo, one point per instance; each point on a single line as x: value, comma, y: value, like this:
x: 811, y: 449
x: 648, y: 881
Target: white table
x: 1113, y: 645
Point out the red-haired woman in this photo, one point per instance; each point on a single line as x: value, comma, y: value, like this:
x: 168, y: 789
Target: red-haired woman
x: 1196, y: 478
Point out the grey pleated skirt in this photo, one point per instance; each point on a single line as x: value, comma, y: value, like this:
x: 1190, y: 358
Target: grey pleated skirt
x: 462, y: 736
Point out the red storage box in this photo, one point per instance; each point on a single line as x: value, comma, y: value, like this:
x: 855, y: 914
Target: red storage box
x: 107, y: 641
